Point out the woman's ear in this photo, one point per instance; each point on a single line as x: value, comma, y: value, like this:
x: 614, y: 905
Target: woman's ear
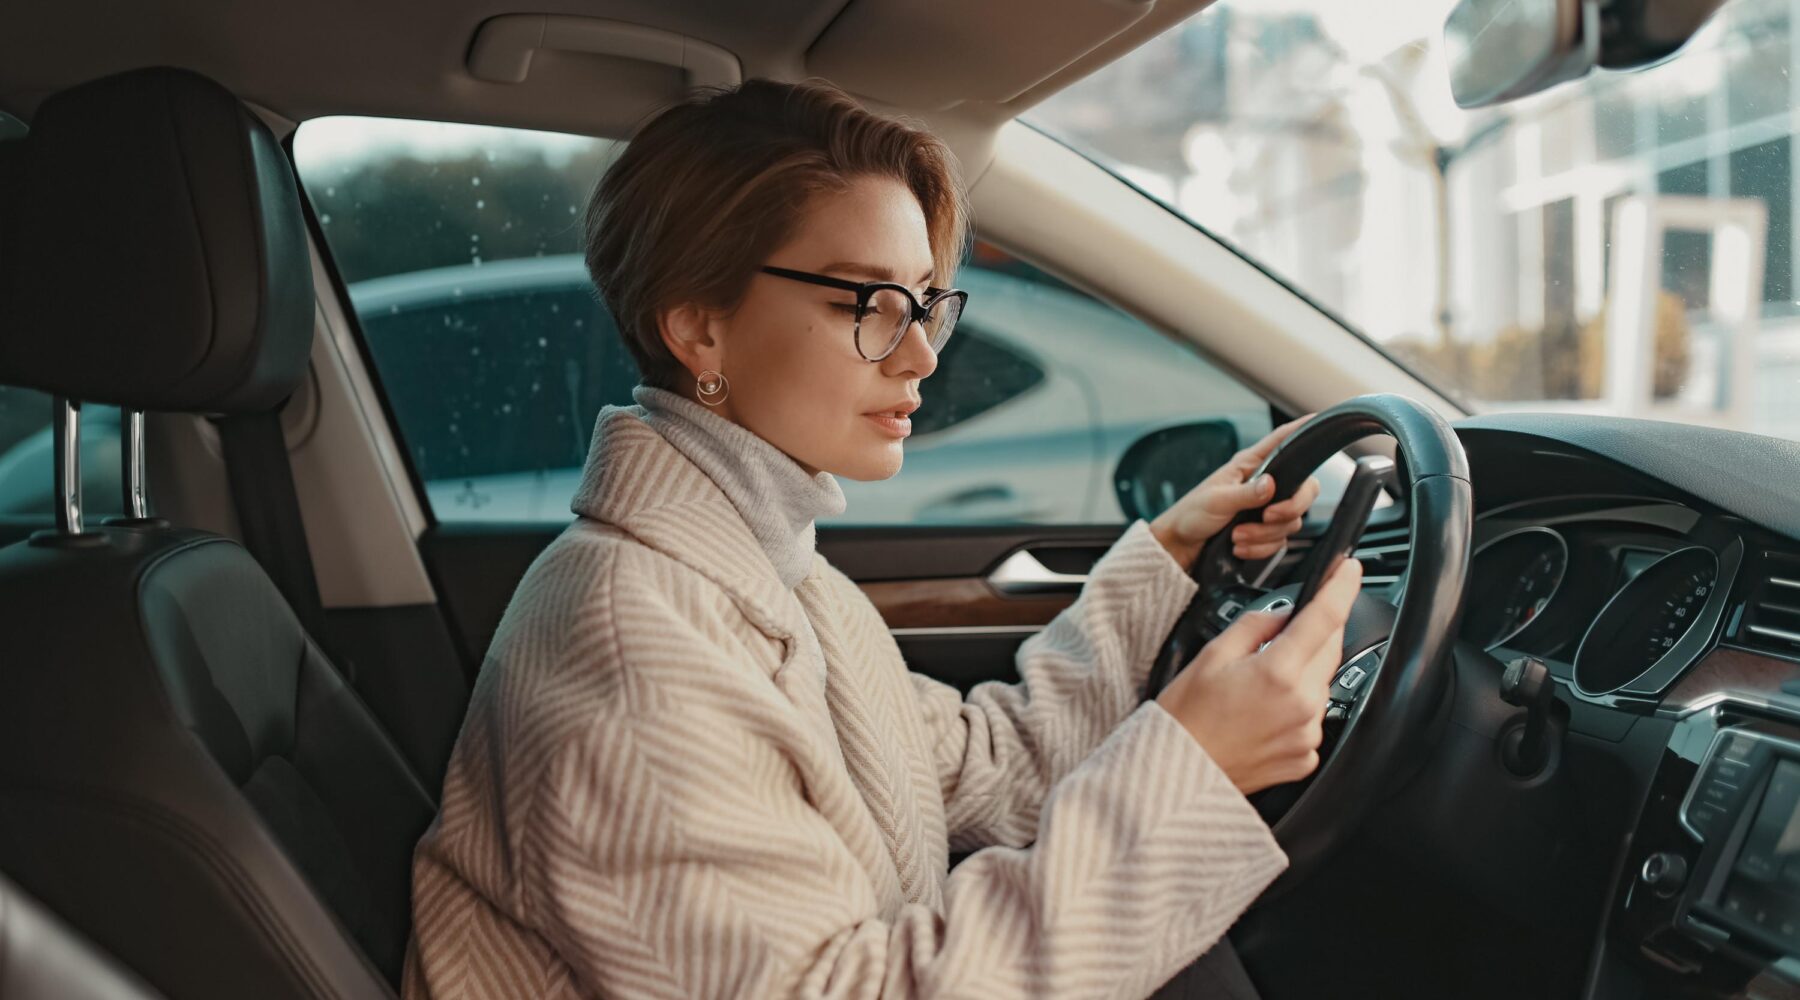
x: 691, y: 334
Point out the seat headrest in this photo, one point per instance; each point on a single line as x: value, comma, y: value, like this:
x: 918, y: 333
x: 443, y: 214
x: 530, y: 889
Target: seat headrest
x: 155, y: 255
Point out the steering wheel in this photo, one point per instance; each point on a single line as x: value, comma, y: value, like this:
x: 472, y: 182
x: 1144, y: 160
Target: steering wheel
x: 1380, y: 721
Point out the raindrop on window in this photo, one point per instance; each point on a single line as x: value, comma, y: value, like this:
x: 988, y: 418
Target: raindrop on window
x: 505, y: 407
x: 325, y: 220
x: 393, y: 310
x: 555, y: 308
x: 474, y: 237
x: 543, y: 341
x: 456, y: 292
x: 475, y: 181
x: 330, y: 191
x: 475, y: 352
x: 480, y: 203
x: 571, y: 209
x: 476, y: 261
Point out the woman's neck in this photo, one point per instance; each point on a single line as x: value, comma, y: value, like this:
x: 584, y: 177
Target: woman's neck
x: 778, y: 497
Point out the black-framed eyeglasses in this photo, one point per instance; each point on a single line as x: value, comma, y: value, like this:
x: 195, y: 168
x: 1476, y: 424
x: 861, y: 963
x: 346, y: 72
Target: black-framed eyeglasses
x: 885, y: 310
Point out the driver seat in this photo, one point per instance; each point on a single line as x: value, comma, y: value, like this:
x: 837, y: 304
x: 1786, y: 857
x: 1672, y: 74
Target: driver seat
x: 184, y: 776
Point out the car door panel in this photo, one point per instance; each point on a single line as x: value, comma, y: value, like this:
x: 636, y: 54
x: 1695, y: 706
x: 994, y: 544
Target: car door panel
x: 932, y: 586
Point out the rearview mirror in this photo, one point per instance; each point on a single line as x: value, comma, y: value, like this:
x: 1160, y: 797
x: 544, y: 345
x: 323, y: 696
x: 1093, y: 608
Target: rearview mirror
x: 1161, y: 467
x: 1500, y: 50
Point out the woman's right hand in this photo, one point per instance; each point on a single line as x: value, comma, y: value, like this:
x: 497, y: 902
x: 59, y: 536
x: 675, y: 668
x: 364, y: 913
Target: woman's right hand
x: 1259, y: 712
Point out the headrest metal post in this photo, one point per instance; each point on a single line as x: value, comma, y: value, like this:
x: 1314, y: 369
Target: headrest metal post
x: 137, y: 502
x: 66, y: 415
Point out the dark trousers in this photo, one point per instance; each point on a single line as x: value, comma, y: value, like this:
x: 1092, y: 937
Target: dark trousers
x: 1216, y: 975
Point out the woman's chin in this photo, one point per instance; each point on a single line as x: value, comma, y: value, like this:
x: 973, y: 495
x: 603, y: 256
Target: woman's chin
x: 873, y: 465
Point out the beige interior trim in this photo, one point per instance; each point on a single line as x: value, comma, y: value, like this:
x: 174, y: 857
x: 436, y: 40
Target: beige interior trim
x: 932, y: 54
x: 505, y: 45
x: 1048, y: 203
x: 362, y: 516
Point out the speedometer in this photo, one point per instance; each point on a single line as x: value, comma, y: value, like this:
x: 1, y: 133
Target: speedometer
x: 1646, y: 620
x: 1520, y: 573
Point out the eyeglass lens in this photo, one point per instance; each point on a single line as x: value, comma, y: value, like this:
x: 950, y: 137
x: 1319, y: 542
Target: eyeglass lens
x: 889, y: 313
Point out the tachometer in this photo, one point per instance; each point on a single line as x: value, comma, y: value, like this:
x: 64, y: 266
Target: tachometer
x: 1518, y: 575
x: 1646, y: 620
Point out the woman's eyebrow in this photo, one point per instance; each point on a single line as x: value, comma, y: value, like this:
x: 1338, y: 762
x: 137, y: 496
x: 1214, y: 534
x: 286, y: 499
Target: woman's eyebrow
x: 874, y: 271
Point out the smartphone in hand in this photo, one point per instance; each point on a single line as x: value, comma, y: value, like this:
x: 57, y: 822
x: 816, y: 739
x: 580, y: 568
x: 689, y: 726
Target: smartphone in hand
x: 1346, y: 527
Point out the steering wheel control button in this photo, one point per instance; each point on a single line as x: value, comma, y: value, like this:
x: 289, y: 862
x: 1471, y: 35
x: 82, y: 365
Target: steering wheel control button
x: 1337, y: 711
x: 1229, y: 610
x: 1352, y: 679
x: 1665, y: 873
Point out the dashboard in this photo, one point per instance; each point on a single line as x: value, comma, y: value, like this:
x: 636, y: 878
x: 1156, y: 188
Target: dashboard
x: 1654, y: 570
x: 1619, y: 599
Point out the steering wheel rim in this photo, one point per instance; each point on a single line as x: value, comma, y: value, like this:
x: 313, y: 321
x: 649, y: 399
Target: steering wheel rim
x: 1396, y: 711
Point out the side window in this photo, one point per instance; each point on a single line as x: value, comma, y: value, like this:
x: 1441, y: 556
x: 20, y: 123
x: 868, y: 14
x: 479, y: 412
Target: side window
x: 976, y: 373
x: 28, y: 460
x: 492, y: 348
x: 1036, y: 398
x: 461, y: 249
x: 497, y: 390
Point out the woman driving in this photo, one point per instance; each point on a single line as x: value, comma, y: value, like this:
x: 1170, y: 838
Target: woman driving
x: 695, y: 763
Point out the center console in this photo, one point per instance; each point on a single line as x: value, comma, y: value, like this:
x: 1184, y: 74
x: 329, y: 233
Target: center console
x: 1710, y: 896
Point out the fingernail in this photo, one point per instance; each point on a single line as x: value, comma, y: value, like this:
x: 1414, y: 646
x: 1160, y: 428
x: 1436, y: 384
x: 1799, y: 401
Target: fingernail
x: 1263, y: 482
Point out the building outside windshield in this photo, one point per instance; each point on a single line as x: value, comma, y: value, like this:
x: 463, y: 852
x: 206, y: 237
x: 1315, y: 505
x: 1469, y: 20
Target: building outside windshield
x: 1620, y: 244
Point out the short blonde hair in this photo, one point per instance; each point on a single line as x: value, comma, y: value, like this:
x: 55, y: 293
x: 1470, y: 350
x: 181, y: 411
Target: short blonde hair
x: 707, y: 189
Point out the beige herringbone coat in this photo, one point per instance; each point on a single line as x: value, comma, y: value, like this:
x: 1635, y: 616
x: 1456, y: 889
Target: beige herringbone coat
x: 666, y: 788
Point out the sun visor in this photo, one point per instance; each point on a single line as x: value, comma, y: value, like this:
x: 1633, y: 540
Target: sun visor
x: 933, y: 54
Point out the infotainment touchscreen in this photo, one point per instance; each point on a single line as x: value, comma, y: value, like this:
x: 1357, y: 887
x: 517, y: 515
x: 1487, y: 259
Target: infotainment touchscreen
x: 1762, y: 890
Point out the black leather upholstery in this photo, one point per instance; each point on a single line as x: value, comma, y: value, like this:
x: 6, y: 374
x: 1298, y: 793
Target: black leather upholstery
x: 185, y: 779
x: 183, y: 776
x: 160, y: 250
x: 41, y: 959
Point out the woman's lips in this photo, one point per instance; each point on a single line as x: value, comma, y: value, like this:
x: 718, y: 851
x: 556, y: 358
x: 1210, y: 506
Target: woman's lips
x: 897, y: 426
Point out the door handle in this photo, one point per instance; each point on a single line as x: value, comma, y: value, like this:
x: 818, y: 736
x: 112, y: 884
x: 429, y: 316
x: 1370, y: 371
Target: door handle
x: 1023, y: 573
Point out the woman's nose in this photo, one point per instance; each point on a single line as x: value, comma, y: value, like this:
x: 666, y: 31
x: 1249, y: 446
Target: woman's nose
x: 914, y: 355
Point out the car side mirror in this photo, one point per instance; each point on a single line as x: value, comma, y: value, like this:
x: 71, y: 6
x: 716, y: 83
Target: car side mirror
x: 1162, y: 466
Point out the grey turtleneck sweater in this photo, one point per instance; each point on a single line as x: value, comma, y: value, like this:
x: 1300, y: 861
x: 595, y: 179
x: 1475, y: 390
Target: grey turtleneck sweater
x: 775, y: 495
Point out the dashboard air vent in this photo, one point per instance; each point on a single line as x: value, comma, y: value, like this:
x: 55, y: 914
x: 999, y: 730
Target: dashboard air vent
x: 1772, y: 612
x: 1384, y: 551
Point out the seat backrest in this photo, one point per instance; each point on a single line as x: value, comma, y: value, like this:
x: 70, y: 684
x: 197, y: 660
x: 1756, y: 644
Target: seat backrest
x: 183, y: 775
x: 41, y: 959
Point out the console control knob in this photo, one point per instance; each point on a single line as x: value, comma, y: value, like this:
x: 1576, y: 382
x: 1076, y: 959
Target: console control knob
x: 1664, y: 872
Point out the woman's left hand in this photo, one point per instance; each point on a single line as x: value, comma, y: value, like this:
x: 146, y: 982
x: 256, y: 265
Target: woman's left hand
x: 1185, y: 527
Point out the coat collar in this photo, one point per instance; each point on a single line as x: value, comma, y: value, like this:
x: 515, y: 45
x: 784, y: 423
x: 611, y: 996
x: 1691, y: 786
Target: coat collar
x: 636, y: 480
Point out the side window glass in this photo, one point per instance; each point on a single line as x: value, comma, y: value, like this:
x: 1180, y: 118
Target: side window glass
x: 460, y: 246
x: 1034, y: 401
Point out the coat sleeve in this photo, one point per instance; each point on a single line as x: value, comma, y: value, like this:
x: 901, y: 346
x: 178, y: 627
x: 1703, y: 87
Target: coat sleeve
x: 672, y: 851
x: 1001, y: 749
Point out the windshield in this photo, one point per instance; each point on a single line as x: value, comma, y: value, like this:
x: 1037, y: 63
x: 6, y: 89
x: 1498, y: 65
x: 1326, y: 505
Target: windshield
x: 1621, y: 244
